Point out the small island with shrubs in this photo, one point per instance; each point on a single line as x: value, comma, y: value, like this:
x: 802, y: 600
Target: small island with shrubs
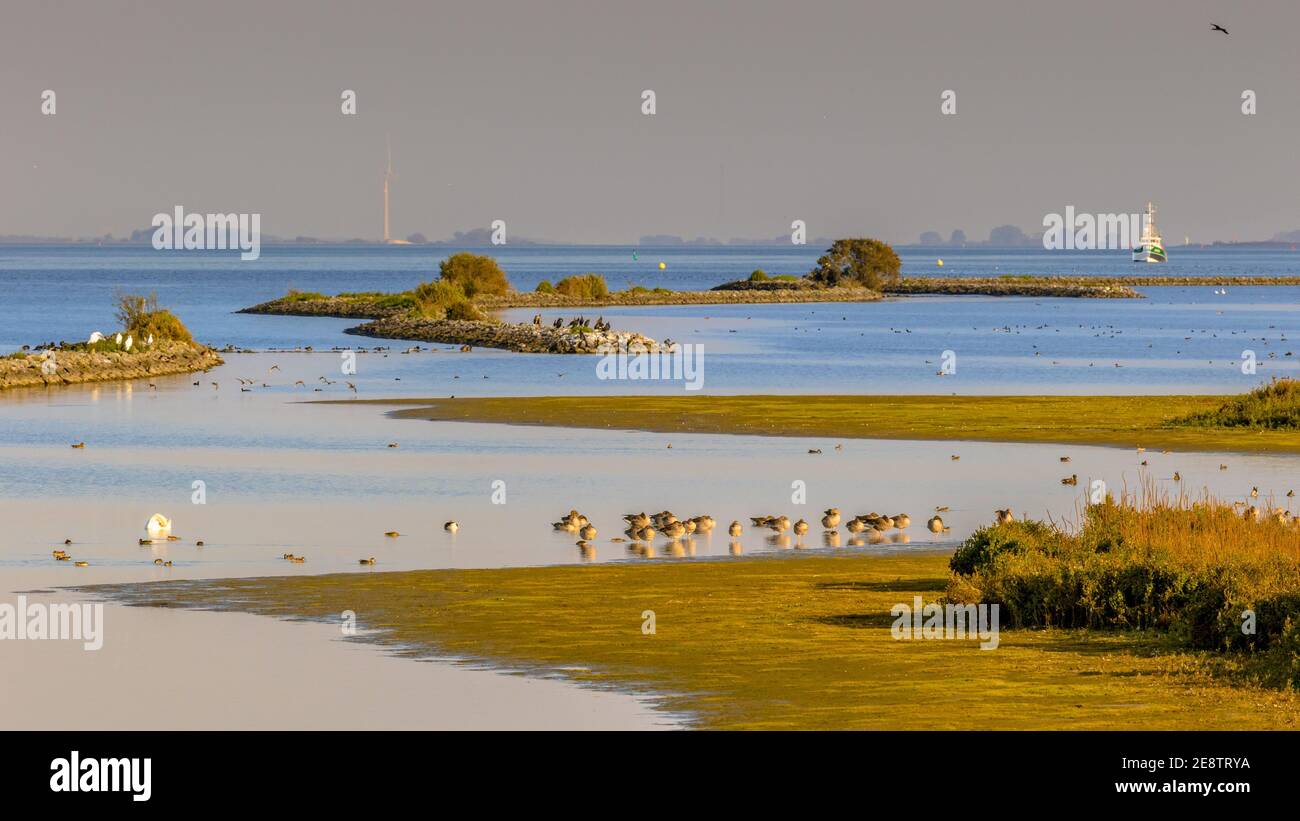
x: 152, y: 342
x: 471, y: 286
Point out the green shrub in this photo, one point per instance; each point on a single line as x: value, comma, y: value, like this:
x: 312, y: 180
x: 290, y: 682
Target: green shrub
x: 464, y: 310
x: 545, y: 287
x: 866, y: 263
x: 583, y: 286
x: 1269, y: 407
x: 985, y: 544
x: 162, y: 325
x: 141, y: 317
x: 443, y: 299
x: 759, y: 275
x: 1191, y: 570
x: 475, y: 274
x: 433, y: 298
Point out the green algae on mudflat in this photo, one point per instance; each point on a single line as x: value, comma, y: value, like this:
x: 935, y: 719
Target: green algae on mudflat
x: 1117, y: 421
x: 795, y: 641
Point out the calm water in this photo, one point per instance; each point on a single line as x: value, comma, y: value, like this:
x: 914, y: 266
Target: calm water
x: 281, y: 475
x: 1179, y: 339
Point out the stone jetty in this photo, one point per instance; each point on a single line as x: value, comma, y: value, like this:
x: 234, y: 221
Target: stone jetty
x: 525, y: 338
x: 65, y: 367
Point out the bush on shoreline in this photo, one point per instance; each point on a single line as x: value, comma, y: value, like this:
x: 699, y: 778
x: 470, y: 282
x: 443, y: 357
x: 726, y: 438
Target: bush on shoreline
x: 1190, y: 569
x: 1275, y: 406
x: 475, y: 274
x: 143, y: 319
x: 444, y: 299
x: 583, y: 286
x: 865, y: 262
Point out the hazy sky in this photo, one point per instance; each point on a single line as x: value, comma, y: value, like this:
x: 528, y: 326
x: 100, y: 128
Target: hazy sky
x: 767, y: 112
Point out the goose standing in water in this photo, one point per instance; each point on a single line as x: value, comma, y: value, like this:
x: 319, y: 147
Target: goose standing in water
x: 935, y: 524
x: 637, y: 520
x: 735, y: 529
x: 800, y: 528
x: 704, y: 524
x: 902, y: 521
x: 831, y: 519
x: 588, y: 532
x: 451, y: 527
x: 674, y: 530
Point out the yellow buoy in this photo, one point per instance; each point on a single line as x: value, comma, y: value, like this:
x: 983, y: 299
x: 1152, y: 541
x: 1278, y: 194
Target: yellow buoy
x: 662, y: 266
x: 940, y: 263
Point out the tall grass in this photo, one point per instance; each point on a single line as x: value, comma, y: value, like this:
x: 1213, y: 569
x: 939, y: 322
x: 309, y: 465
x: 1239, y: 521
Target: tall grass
x: 1194, y: 568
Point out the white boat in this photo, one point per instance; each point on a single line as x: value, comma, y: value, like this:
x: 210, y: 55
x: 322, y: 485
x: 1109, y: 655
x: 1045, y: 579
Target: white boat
x: 1150, y: 248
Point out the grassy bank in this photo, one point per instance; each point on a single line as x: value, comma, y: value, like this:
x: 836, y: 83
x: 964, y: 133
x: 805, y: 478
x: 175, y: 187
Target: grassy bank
x: 787, y: 642
x: 368, y: 306
x: 1122, y: 421
x: 1209, y: 575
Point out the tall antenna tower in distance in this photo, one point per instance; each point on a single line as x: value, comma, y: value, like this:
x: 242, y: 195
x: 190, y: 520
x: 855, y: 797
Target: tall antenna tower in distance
x: 388, y: 175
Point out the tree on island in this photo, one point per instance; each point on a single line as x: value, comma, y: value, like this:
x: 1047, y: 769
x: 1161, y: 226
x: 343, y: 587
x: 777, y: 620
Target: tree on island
x: 475, y: 274
x: 868, y: 263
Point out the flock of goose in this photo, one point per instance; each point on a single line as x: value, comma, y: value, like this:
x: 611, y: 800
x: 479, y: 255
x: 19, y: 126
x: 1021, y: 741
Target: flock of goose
x: 642, y: 528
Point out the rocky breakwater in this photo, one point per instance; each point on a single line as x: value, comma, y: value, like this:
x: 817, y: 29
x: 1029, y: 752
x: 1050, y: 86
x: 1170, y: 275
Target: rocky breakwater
x: 720, y: 295
x: 344, y: 307
x: 1028, y: 286
x: 524, y: 338
x: 56, y: 366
